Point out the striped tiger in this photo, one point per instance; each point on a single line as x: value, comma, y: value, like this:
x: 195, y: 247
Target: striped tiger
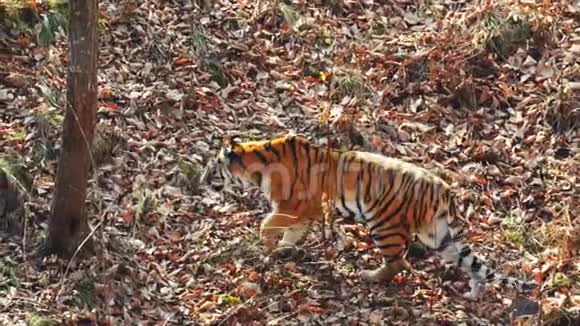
x: 393, y: 198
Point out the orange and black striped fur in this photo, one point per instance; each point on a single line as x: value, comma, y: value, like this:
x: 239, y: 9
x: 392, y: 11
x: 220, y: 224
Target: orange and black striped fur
x: 395, y: 199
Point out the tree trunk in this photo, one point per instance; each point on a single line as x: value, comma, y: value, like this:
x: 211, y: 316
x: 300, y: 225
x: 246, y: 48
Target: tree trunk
x: 68, y: 225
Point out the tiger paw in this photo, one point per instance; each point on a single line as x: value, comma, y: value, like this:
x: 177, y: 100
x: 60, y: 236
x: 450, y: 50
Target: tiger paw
x: 286, y: 252
x: 270, y: 245
x: 475, y: 292
x: 375, y: 275
x: 367, y: 275
x: 469, y: 296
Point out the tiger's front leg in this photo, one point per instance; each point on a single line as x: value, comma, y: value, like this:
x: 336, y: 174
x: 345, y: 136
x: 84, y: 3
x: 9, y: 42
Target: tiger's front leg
x: 292, y: 227
x: 270, y: 230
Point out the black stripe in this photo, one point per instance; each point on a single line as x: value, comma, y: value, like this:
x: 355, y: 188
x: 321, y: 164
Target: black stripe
x: 359, y: 178
x: 390, y: 245
x: 389, y: 235
x: 342, y: 192
x: 454, y: 223
x: 368, y: 188
x: 236, y: 158
x: 457, y: 236
x: 426, y: 198
x: 319, y: 154
x: 297, y: 205
x: 437, y: 194
x: 389, y: 227
x: 322, y: 182
x: 382, y: 180
x: 324, y: 162
x: 475, y: 265
x: 414, y: 201
x: 271, y: 149
x: 432, y: 194
x: 348, y: 211
x: 445, y: 242
x: 383, y: 208
x: 403, y: 208
x: 261, y: 157
x: 348, y: 161
x: 384, y: 193
x: 465, y: 252
x: 420, y: 216
x: 375, y: 202
x: 258, y: 178
x: 292, y: 144
x: 406, y: 202
x: 390, y: 201
x: 442, y: 214
x: 306, y: 148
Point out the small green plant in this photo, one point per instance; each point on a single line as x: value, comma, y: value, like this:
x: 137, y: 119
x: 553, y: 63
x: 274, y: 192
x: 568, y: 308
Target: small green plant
x: 230, y: 299
x: 12, y: 23
x: 17, y: 17
x: 57, y: 3
x: 37, y: 320
x: 53, y: 22
x: 561, y: 112
x: 378, y: 26
x: 22, y: 16
x: 15, y: 170
x: 516, y: 233
x: 18, y: 134
x: 52, y: 96
x: 83, y: 296
x: 351, y: 83
x: 290, y: 15
x: 546, y: 236
x: 15, y: 187
x: 105, y: 144
x: 146, y: 203
x: 217, y: 72
x: 560, y: 280
x: 47, y: 121
x: 8, y: 276
x: 501, y: 34
x: 199, y: 41
x: 325, y: 36
x: 189, y: 173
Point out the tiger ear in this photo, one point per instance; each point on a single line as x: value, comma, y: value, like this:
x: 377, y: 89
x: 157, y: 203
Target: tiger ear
x: 236, y: 140
x: 231, y: 141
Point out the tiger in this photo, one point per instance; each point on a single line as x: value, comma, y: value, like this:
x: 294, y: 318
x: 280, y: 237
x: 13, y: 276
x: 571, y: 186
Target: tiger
x: 395, y: 199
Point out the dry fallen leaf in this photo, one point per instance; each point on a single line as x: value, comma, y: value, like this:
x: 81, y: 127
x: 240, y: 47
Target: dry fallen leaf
x: 454, y: 87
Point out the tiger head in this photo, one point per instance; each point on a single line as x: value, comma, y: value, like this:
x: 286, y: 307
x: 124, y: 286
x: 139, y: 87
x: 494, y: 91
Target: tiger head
x: 230, y: 169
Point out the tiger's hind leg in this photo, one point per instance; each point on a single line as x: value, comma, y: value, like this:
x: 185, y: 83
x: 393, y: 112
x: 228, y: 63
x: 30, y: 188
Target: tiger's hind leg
x: 391, y: 241
x: 441, y: 237
x: 386, y: 272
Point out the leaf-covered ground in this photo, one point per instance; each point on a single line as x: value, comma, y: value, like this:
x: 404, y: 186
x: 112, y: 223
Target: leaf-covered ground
x: 484, y: 92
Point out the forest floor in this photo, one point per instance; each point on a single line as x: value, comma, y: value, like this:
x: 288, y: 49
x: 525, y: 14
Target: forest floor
x: 484, y: 92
